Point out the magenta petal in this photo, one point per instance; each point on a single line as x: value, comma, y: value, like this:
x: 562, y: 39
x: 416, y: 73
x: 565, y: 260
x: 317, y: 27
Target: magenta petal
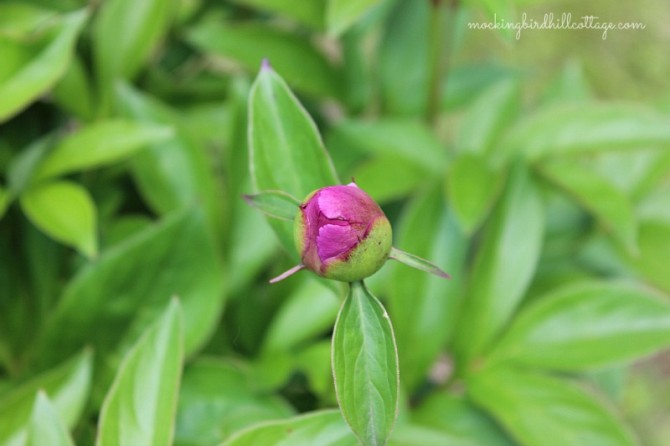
x: 334, y: 240
x: 346, y: 202
x: 332, y: 202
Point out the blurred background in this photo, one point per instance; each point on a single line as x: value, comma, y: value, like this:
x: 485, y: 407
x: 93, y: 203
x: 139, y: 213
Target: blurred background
x: 521, y: 166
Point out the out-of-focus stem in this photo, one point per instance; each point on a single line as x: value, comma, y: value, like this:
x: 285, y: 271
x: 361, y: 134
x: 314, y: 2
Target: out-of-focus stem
x: 441, y: 30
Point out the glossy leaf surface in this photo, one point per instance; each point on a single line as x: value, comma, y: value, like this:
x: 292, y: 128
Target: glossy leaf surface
x: 365, y: 366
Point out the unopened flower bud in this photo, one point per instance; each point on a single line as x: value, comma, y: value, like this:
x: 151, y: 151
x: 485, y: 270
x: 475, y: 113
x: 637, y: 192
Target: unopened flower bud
x: 342, y: 234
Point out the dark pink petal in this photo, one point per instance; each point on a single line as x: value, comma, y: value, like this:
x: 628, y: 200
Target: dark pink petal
x: 334, y: 240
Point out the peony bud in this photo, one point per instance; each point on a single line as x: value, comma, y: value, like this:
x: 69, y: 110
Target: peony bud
x: 342, y: 234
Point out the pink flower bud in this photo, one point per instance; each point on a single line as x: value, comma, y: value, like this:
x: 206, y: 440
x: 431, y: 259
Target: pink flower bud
x: 342, y: 234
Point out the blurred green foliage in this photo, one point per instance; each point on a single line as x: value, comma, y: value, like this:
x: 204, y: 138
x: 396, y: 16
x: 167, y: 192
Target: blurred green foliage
x: 134, y: 304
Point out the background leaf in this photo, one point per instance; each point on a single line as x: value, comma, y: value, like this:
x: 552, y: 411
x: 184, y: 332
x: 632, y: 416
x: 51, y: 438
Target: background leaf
x: 423, y: 306
x: 458, y: 417
x: 372, y: 176
x: 64, y: 211
x: 587, y: 325
x: 124, y: 36
x: 4, y: 200
x: 504, y: 264
x: 309, y: 310
x: 130, y: 282
x: 218, y: 398
x: 488, y: 116
x: 309, y: 13
x: 365, y: 366
x: 472, y: 186
x: 325, y: 428
x: 538, y: 409
x: 300, y: 63
x: 340, y: 14
x: 22, y: 84
x: 67, y: 387
x: 409, y: 140
x: 403, y: 59
x: 46, y: 426
x: 141, y: 404
x: 579, y: 128
x: 171, y: 173
x: 410, y: 435
x: 588, y: 188
x: 99, y: 144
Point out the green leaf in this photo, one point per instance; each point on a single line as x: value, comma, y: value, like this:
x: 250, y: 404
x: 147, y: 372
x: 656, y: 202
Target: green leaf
x: 406, y: 139
x: 310, y: 310
x: 466, y: 83
x: 325, y: 428
x: 537, y: 410
x: 310, y: 13
x: 373, y: 177
x: 125, y: 34
x: 73, y: 91
x: 417, y: 262
x: 413, y: 435
x: 67, y: 386
x: 589, y: 188
x: 314, y: 362
x: 639, y: 174
x: 65, y: 212
x: 365, y: 366
x: 287, y: 152
x: 587, y: 128
x: 458, y: 417
x: 403, y: 59
x: 22, y: 83
x: 19, y: 20
x: 503, y: 9
x: 341, y: 14
x: 489, y: 115
x: 275, y: 204
x: 472, y: 187
x: 654, y: 245
x: 300, y: 63
x: 252, y: 244
x: 21, y: 168
x: 423, y: 306
x: 5, y: 200
x: 218, y: 398
x: 100, y: 144
x: 587, y: 325
x: 504, y: 264
x: 570, y: 85
x: 174, y: 173
x: 285, y: 148
x: 132, y: 281
x: 46, y: 426
x: 141, y: 404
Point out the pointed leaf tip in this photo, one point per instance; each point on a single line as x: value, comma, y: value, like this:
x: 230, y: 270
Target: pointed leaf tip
x: 417, y: 263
